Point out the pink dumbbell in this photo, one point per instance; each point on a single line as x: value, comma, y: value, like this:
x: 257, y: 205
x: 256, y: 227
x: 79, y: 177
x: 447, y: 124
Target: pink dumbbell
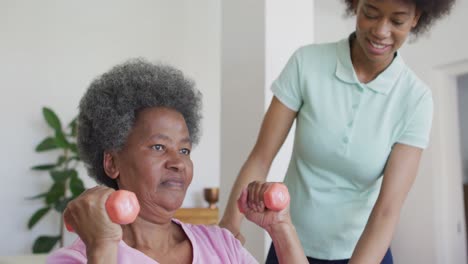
x: 122, y: 207
x: 276, y: 197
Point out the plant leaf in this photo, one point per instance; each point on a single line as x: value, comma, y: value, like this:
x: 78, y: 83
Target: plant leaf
x: 60, y: 139
x: 56, y: 192
x: 61, y: 160
x: 51, y: 118
x: 73, y: 147
x: 37, y: 196
x: 76, y: 186
x: 37, y: 216
x: 60, y: 205
x: 74, y: 158
x: 59, y: 176
x: 73, y: 125
x: 43, y: 167
x: 73, y: 173
x: 44, y: 244
x: 46, y: 144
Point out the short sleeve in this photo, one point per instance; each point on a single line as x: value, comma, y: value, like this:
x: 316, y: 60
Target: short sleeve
x: 66, y: 255
x: 418, y: 127
x: 212, y: 244
x: 287, y: 87
x: 234, y: 245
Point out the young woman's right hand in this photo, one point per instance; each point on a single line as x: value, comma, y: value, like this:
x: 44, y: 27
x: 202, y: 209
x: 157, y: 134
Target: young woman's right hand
x: 88, y: 217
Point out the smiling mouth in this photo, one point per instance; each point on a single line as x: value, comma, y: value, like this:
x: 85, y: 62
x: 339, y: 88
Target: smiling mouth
x: 377, y: 45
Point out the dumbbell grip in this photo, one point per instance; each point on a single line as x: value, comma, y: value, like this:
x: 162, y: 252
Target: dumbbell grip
x: 122, y: 207
x: 276, y: 197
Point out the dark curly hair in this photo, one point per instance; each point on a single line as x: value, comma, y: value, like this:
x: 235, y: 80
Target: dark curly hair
x: 431, y: 10
x: 109, y: 107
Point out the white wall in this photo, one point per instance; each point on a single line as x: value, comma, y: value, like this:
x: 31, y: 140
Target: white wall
x: 462, y: 90
x: 331, y: 24
x: 242, y: 96
x: 50, y: 52
x: 257, y: 39
x: 289, y: 25
x: 431, y: 228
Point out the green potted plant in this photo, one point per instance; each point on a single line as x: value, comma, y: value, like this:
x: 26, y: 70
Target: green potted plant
x: 65, y: 181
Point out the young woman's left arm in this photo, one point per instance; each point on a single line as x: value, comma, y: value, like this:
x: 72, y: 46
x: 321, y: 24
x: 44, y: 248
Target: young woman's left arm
x: 399, y: 174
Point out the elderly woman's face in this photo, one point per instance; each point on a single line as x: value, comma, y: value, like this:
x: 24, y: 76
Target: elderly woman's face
x: 155, y: 161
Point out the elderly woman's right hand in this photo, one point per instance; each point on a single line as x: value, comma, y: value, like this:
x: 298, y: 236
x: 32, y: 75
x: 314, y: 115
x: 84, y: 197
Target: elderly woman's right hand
x: 252, y: 205
x: 88, y: 217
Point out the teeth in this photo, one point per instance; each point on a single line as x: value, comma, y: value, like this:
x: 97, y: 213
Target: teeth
x: 378, y: 46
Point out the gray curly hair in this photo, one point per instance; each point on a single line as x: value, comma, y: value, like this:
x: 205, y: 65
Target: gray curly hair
x: 109, y: 107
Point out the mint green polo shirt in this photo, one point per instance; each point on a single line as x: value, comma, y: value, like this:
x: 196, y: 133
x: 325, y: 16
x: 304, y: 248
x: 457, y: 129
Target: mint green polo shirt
x: 344, y: 134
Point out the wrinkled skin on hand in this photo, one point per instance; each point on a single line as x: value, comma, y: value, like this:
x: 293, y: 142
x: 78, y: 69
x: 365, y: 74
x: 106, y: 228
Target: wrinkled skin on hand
x: 88, y: 217
x: 252, y: 205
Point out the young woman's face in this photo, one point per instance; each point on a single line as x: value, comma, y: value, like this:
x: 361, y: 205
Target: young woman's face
x: 382, y: 27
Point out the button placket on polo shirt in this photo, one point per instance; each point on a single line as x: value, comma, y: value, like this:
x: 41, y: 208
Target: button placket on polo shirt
x: 355, y: 106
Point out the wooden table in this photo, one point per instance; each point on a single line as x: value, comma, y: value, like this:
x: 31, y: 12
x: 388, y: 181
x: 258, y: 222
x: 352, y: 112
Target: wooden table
x: 199, y: 216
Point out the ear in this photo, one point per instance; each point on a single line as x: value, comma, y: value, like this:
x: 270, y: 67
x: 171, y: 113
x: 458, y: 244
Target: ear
x: 355, y: 6
x: 417, y: 15
x: 109, y: 165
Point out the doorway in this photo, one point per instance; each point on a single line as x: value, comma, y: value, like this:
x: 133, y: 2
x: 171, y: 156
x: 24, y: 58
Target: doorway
x: 449, y: 203
x: 462, y: 92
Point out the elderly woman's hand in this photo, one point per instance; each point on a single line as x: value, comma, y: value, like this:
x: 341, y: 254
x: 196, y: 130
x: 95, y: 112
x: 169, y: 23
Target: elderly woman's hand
x: 88, y: 217
x: 252, y: 205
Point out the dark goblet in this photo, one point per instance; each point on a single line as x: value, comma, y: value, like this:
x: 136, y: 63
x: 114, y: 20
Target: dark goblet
x: 211, y: 195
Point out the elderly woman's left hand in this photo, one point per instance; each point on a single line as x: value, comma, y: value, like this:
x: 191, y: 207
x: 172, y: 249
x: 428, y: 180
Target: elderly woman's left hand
x: 251, y: 204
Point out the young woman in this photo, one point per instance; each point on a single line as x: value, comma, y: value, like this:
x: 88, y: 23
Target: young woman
x: 363, y: 119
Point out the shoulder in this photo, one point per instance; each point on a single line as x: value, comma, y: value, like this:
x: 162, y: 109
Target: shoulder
x: 415, y: 90
x: 314, y: 58
x: 317, y: 50
x: 212, y: 233
x: 213, y: 244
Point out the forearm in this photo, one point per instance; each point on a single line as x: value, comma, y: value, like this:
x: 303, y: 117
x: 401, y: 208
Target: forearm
x: 376, y: 238
x: 399, y: 174
x: 274, y: 130
x: 253, y: 170
x: 104, y: 253
x: 287, y: 244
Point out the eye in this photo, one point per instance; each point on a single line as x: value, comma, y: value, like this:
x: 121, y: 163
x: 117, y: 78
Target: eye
x: 397, y: 22
x: 369, y: 16
x: 185, y: 151
x: 158, y: 147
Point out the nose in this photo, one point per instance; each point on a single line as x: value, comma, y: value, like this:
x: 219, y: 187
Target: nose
x: 174, y: 161
x: 382, y: 29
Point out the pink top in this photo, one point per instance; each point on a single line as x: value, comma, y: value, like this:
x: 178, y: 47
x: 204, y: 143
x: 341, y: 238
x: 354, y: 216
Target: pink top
x: 211, y: 244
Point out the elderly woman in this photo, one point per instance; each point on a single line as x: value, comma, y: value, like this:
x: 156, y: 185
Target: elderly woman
x: 137, y: 126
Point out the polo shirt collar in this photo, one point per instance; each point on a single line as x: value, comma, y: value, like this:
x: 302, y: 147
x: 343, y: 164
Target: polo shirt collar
x: 384, y: 82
